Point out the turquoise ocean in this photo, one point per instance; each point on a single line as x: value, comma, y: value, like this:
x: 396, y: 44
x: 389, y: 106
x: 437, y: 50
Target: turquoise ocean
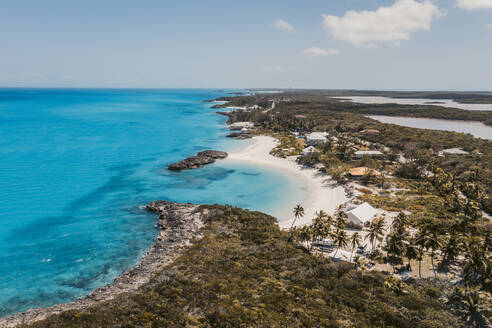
x: 77, y: 165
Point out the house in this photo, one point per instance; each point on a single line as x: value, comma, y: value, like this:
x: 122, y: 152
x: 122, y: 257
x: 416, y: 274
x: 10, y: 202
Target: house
x: 316, y: 137
x: 243, y: 125
x: 454, y: 151
x: 323, y: 243
x: 370, y: 131
x: 358, y: 172
x: 369, y: 153
x: 309, y: 149
x: 361, y: 214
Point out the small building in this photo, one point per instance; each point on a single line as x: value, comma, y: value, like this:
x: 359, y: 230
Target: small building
x: 454, y: 151
x: 361, y: 214
x: 374, y: 131
x: 309, y: 150
x: 358, y: 172
x: 316, y: 137
x: 243, y: 125
x: 323, y: 243
x: 369, y: 153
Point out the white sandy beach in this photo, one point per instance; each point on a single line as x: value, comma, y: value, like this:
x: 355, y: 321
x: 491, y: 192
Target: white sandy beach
x: 322, y: 192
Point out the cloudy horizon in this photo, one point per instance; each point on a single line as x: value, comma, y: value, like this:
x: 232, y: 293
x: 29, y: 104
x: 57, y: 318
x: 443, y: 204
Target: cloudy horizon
x: 356, y: 44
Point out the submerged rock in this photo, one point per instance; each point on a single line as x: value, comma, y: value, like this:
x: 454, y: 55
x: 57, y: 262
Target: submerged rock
x: 202, y: 158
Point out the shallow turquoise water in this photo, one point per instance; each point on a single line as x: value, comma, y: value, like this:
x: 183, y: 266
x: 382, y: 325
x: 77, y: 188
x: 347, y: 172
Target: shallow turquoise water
x: 75, y: 165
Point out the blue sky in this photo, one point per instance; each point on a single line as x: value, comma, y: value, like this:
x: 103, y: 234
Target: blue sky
x: 360, y: 44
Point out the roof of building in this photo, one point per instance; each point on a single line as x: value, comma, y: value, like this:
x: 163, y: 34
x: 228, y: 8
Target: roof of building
x: 364, y: 212
x: 455, y: 151
x: 317, y: 135
x: 361, y: 171
x: 368, y: 152
x: 309, y: 149
x: 370, y: 131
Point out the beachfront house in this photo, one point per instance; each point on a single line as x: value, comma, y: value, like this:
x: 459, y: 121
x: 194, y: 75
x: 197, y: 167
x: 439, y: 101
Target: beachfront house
x: 308, y: 150
x: 361, y: 214
x: 368, y: 153
x: 315, y: 138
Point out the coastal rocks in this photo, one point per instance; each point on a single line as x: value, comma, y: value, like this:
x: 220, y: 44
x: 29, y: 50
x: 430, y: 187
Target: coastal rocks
x: 198, y: 160
x: 239, y: 135
x: 178, y: 223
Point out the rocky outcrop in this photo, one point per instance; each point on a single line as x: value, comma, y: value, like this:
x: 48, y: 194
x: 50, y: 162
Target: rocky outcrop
x: 178, y: 223
x: 202, y: 158
x: 239, y: 135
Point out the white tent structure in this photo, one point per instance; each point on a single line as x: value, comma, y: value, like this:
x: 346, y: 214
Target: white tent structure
x: 361, y: 214
x: 308, y: 150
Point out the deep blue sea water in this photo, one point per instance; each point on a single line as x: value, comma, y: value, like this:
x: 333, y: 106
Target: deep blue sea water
x: 75, y: 165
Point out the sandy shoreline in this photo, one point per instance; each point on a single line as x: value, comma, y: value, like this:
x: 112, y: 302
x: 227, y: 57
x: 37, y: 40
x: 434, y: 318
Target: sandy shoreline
x: 322, y: 192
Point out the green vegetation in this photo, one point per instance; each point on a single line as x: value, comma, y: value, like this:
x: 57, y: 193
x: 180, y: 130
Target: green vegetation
x: 245, y: 272
x: 313, y: 111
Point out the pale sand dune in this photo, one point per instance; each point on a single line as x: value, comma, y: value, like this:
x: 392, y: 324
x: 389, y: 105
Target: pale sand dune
x: 322, y: 192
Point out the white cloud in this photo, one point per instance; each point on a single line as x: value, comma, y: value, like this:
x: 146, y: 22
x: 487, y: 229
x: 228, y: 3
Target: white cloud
x: 384, y: 25
x: 474, y: 4
x: 315, y: 51
x: 274, y: 68
x: 489, y: 25
x: 283, y: 26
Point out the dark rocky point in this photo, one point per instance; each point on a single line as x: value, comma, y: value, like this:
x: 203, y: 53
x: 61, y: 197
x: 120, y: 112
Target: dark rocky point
x: 202, y: 158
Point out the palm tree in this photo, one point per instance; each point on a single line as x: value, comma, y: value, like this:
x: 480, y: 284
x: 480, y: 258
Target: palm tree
x: 376, y: 231
x: 341, y: 220
x: 341, y: 240
x: 472, y: 304
x: 400, y: 222
x: 451, y: 249
x: 354, y: 242
x: 411, y: 252
x: 421, y: 242
x: 298, y: 213
x: 305, y: 234
x: 394, y: 247
x: 434, y: 243
x: 321, y: 226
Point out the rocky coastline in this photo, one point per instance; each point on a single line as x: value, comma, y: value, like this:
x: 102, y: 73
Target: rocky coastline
x: 196, y: 161
x: 179, y: 224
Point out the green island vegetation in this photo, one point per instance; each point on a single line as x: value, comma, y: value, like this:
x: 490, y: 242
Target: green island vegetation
x: 246, y: 272
x: 299, y: 113
x: 440, y: 197
x: 332, y: 101
x: 463, y: 97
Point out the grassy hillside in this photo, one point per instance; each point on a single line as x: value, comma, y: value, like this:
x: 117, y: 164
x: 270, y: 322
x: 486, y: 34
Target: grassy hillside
x: 245, y: 272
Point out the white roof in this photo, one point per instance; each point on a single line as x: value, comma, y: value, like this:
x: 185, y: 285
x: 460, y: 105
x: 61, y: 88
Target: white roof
x: 362, y: 213
x: 243, y: 124
x: 309, y: 149
x: 454, y: 151
x: 368, y: 152
x: 317, y: 135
